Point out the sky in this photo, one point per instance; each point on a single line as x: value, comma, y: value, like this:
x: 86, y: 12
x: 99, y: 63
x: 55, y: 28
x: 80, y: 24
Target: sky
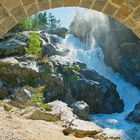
x: 65, y: 14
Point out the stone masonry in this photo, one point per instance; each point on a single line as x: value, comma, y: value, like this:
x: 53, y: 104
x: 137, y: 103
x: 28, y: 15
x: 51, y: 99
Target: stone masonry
x: 14, y: 11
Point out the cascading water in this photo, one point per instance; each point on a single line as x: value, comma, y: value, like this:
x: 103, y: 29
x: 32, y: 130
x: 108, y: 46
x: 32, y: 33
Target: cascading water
x: 114, y: 124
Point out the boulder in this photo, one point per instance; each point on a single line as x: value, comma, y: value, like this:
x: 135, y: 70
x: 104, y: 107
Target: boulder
x: 58, y: 31
x: 22, y: 95
x: 80, y: 129
x: 35, y: 113
x: 101, y: 98
x: 55, y: 90
x: 72, y: 124
x: 81, y: 109
x: 81, y: 84
x: 135, y: 114
x: 13, y: 46
x: 4, y: 93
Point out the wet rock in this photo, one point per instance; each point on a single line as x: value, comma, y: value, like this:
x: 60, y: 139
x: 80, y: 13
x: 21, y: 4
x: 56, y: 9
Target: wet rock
x: 55, y: 88
x: 58, y: 31
x: 81, y: 109
x: 13, y: 46
x: 135, y: 114
x: 81, y: 84
x: 79, y: 128
x: 22, y: 95
x: 100, y: 97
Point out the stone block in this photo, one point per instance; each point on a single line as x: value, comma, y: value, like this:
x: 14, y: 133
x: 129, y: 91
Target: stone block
x: 57, y: 3
x: 3, y: 12
x: 19, y: 13
x: 133, y: 3
x: 43, y: 4
x: 31, y: 9
x: 118, y: 2
x: 9, y: 4
x: 86, y: 3
x: 99, y: 4
x: 110, y: 9
x: 136, y: 14
x: 123, y: 12
x: 130, y: 22
x: 26, y: 2
x: 71, y: 2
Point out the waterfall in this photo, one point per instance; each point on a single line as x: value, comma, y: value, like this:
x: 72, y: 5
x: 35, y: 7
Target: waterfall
x: 113, y: 124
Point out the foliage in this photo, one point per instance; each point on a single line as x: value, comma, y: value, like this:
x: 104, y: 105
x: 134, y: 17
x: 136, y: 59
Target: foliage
x: 46, y: 107
x: 40, y: 21
x: 73, y: 67
x: 70, y: 73
x: 33, y: 44
x: 53, y: 71
x: 26, y: 24
x: 53, y: 22
x: 34, y: 22
x: 38, y: 98
x: 43, y: 60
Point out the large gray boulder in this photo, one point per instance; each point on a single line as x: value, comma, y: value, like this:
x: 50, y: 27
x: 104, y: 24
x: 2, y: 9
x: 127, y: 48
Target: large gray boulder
x: 58, y: 31
x: 81, y: 109
x: 100, y: 97
x: 135, y: 114
x: 73, y: 125
x: 55, y: 90
x: 74, y: 84
x: 22, y: 95
x: 14, y: 45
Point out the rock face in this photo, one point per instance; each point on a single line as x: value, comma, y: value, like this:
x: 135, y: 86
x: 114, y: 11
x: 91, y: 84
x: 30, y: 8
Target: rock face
x: 135, y: 115
x: 101, y: 98
x: 13, y: 45
x: 120, y: 46
x: 55, y: 88
x: 38, y: 114
x: 51, y: 45
x: 58, y: 31
x: 74, y: 126
x: 79, y: 84
x: 22, y: 95
x: 81, y: 109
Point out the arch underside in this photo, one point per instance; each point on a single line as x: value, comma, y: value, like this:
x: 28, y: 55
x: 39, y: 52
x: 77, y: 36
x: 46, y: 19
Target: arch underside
x: 14, y: 11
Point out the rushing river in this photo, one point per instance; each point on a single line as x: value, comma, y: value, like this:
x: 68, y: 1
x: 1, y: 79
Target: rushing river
x: 113, y: 124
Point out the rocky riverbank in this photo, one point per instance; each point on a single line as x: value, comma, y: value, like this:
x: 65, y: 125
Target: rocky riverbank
x: 52, y: 88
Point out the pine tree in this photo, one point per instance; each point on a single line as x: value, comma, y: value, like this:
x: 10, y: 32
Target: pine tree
x: 34, y: 23
x: 33, y: 44
x: 25, y: 24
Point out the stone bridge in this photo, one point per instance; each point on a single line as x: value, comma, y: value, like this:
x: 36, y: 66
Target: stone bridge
x: 14, y: 11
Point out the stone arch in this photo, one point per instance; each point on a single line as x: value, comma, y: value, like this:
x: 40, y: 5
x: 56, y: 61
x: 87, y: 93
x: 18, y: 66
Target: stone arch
x: 13, y: 11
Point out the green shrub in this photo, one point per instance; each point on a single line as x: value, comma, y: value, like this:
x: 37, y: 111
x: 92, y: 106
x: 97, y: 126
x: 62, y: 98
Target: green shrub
x: 43, y: 60
x: 33, y: 44
x: 46, y: 107
x: 73, y: 67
